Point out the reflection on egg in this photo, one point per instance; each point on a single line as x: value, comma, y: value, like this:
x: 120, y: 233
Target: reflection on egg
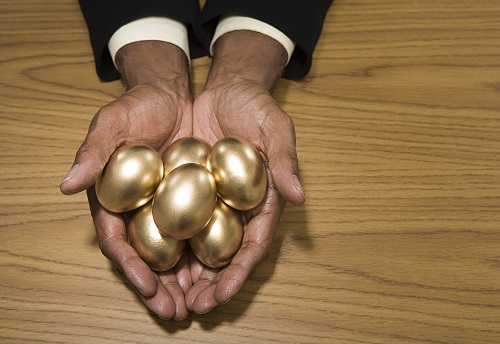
x: 160, y: 252
x: 183, y: 151
x: 238, y: 171
x: 184, y: 201
x: 219, y: 241
x: 130, y: 178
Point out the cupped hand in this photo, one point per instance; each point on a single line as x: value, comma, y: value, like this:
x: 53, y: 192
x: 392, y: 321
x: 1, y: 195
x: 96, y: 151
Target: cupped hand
x: 155, y: 110
x: 237, y: 101
x: 246, y: 109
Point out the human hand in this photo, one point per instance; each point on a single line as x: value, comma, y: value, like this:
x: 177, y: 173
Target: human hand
x: 155, y: 110
x: 237, y: 101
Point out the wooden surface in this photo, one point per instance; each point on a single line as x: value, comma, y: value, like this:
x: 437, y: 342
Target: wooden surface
x: 398, y: 128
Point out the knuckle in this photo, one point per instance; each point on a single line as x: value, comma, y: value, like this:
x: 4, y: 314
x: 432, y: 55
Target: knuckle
x: 105, y: 117
x: 110, y: 119
x: 104, y: 247
x: 107, y: 129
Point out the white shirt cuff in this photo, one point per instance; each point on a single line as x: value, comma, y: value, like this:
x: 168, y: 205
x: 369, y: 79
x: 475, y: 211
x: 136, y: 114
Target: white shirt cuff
x: 233, y: 23
x: 150, y: 29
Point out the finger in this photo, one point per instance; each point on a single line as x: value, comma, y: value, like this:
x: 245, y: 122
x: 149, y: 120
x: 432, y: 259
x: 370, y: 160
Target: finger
x: 161, y: 303
x: 253, y: 252
x: 111, y: 234
x: 183, y: 272
x: 257, y: 243
x: 200, y: 297
x: 282, y: 158
x: 213, y: 289
x: 105, y: 134
x: 171, y: 283
x: 195, y: 266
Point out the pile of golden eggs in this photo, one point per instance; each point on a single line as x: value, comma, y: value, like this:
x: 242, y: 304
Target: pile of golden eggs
x: 193, y: 192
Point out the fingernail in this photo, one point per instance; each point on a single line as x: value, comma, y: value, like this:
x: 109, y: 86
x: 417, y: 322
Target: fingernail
x: 165, y: 319
x: 226, y: 301
x: 298, y: 185
x: 71, y: 173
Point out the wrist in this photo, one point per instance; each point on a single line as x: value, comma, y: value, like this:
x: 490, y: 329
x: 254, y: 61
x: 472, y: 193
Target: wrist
x: 153, y: 62
x: 247, y: 56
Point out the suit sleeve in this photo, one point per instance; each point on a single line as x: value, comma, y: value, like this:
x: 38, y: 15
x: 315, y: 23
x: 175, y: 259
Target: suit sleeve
x: 104, y: 17
x: 301, y: 20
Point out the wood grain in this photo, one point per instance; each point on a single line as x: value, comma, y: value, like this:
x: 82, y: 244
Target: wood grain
x: 398, y: 129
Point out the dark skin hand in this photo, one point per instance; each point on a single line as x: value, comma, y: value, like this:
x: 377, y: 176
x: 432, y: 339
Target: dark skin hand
x: 156, y: 109
x: 237, y: 101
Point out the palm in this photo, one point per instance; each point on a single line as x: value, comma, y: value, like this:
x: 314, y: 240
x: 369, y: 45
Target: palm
x: 239, y: 110
x: 149, y: 115
x: 248, y: 110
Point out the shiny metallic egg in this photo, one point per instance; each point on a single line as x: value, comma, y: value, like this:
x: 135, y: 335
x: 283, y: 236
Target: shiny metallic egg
x: 219, y: 241
x: 160, y: 252
x: 239, y: 172
x: 183, y: 151
x: 184, y: 201
x: 130, y: 178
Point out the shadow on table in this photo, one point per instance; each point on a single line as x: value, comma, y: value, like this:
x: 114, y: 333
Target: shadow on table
x: 292, y: 227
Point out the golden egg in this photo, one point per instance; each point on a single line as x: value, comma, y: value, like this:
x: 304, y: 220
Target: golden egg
x: 160, y: 252
x: 239, y: 172
x: 130, y: 178
x: 184, y: 201
x: 219, y: 241
x: 183, y: 151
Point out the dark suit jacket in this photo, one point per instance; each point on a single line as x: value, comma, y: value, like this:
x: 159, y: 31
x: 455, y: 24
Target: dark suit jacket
x: 300, y: 20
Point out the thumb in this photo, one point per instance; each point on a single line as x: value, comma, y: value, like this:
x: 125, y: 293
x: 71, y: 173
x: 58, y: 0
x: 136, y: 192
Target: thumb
x: 103, y: 137
x: 283, y: 164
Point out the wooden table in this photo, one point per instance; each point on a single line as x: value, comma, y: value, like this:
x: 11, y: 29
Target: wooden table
x: 398, y: 128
